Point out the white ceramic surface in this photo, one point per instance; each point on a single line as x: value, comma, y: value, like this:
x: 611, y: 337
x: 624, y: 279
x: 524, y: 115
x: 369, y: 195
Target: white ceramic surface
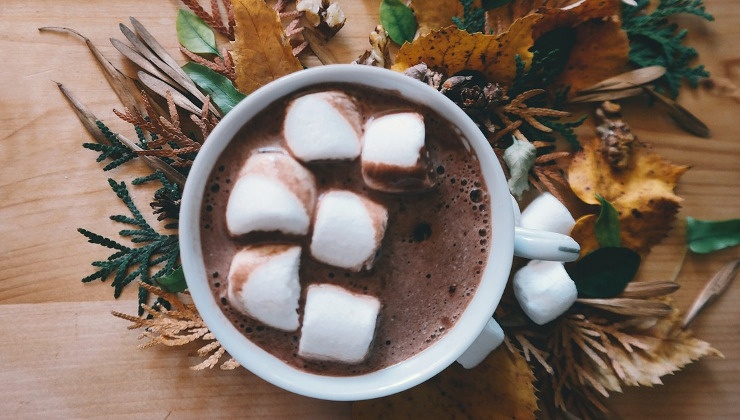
x: 403, y: 375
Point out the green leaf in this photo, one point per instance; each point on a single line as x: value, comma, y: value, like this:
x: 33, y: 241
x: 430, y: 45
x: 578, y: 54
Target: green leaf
x: 704, y: 236
x: 219, y: 87
x: 398, y: 20
x: 607, y: 225
x: 194, y: 34
x: 605, y: 272
x: 519, y: 157
x: 173, y: 282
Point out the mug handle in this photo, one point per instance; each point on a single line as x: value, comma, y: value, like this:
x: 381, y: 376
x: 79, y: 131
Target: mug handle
x: 542, y: 245
x: 534, y: 245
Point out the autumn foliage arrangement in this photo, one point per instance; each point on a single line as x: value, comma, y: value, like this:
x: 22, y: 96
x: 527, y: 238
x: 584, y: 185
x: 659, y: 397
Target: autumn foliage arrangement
x: 529, y: 73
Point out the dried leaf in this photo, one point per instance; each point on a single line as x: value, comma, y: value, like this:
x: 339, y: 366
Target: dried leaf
x: 435, y: 14
x: 649, y: 289
x: 450, y: 50
x: 642, y: 193
x: 262, y: 52
x: 682, y: 116
x: 500, y: 387
x: 627, y: 80
x: 122, y: 85
x: 715, y: 287
x: 519, y: 158
x: 630, y: 307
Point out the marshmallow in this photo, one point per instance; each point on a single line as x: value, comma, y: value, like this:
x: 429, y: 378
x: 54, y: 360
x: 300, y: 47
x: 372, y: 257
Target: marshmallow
x: 544, y: 290
x: 338, y: 325
x: 263, y: 284
x: 323, y: 126
x: 393, y: 155
x: 547, y: 213
x: 347, y: 230
x: 273, y: 193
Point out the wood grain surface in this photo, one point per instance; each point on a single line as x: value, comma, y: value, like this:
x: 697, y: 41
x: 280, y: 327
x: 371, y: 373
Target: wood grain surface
x: 63, y: 355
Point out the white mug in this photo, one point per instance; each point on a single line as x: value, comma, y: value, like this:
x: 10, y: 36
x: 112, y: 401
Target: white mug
x: 469, y: 340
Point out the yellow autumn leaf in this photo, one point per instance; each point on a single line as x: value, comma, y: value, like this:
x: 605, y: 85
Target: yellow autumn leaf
x: 435, y: 14
x: 451, y: 50
x: 500, y: 387
x: 261, y: 50
x: 642, y: 193
x: 583, y: 233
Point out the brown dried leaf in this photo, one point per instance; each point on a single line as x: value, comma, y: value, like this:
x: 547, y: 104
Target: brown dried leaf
x: 450, y: 50
x: 500, y: 387
x: 642, y: 193
x: 262, y: 52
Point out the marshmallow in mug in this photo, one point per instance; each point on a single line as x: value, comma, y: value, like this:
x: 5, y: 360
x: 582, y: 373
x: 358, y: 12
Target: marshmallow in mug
x: 394, y: 157
x: 348, y: 229
x: 338, y: 325
x: 323, y: 126
x: 273, y: 193
x: 263, y: 283
x: 544, y: 290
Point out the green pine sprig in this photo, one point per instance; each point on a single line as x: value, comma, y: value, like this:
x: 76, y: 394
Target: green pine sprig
x: 153, y: 250
x: 655, y: 40
x: 473, y: 19
x: 118, y: 152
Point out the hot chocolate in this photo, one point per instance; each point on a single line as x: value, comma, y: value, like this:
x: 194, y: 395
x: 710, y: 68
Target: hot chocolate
x: 430, y: 259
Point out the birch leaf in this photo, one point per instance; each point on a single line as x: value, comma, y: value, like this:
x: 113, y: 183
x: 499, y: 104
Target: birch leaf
x: 519, y: 157
x: 194, y: 34
x: 262, y: 52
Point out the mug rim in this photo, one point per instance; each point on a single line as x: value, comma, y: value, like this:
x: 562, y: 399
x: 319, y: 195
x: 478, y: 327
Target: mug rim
x: 391, y: 379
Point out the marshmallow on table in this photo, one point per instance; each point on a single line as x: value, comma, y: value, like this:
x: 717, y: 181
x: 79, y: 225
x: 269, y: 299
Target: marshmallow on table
x: 263, y: 284
x: 273, y: 193
x: 544, y: 290
x: 347, y: 230
x: 394, y: 158
x: 338, y: 325
x: 547, y: 213
x: 323, y: 126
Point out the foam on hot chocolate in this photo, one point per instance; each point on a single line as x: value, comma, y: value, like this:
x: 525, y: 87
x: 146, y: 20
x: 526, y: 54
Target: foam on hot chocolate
x: 431, y: 254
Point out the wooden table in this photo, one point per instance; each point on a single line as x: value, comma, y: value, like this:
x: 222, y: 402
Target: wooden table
x: 64, y: 355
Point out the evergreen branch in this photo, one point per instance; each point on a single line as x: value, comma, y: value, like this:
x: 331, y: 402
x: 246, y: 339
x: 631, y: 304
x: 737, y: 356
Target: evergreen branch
x: 655, y: 40
x: 129, y: 264
x: 473, y: 19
